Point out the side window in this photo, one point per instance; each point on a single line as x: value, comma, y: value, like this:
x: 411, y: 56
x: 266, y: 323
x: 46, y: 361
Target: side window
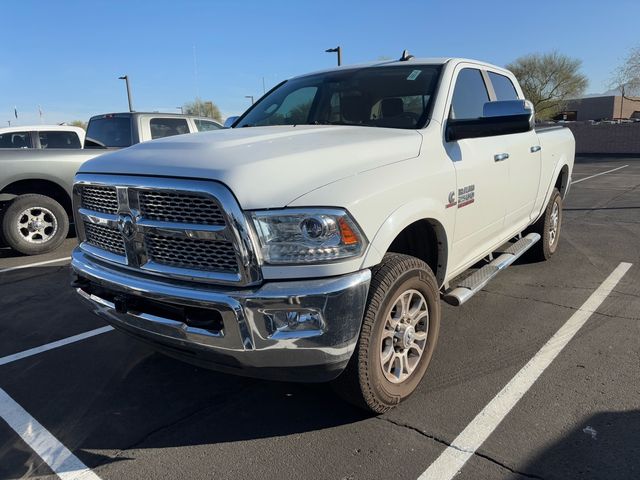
x: 59, y: 140
x: 503, y: 87
x: 205, y: 125
x: 469, y: 95
x: 15, y: 140
x: 167, y: 127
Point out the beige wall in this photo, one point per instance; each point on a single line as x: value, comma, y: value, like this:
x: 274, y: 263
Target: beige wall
x: 628, y: 106
x: 602, y: 108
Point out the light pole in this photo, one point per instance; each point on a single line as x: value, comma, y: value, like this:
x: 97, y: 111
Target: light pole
x: 337, y: 50
x: 126, y: 79
x: 181, y: 110
x: 249, y: 96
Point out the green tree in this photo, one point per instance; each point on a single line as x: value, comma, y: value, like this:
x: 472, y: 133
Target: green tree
x: 79, y: 123
x: 203, y: 108
x: 548, y: 79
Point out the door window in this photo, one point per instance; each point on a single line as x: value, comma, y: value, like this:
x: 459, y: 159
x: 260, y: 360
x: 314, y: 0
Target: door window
x: 15, y: 140
x: 167, y: 127
x: 503, y: 87
x: 205, y: 125
x: 59, y: 140
x: 469, y: 95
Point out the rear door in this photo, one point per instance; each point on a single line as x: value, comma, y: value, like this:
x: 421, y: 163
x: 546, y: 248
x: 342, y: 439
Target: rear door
x: 479, y: 199
x: 524, y: 161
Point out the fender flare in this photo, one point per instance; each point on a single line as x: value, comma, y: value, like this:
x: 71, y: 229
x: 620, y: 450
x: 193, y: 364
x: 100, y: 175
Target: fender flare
x: 402, y: 217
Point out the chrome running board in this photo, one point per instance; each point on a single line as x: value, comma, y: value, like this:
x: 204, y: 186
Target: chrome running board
x: 477, y: 280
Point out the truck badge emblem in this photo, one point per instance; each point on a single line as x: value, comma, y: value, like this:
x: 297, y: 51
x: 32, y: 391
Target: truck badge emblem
x: 126, y: 226
x: 452, y: 200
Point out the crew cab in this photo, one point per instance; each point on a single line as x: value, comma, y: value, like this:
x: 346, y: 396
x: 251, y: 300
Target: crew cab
x: 37, y: 166
x: 315, y: 239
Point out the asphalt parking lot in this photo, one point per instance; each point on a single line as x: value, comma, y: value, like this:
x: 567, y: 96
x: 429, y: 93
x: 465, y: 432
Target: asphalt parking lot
x: 126, y: 412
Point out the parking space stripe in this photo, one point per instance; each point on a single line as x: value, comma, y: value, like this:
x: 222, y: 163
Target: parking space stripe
x: 58, y: 457
x: 37, y: 264
x: 449, y: 463
x: 598, y: 174
x: 52, y: 345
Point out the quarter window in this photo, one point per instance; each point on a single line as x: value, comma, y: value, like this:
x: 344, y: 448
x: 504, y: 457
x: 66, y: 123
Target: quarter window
x: 469, y: 96
x: 503, y: 87
x: 167, y: 127
x: 205, y: 125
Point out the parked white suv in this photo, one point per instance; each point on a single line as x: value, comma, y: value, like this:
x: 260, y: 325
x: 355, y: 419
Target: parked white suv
x: 314, y: 240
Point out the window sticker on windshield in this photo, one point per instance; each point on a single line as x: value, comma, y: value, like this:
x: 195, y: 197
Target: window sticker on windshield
x: 413, y: 75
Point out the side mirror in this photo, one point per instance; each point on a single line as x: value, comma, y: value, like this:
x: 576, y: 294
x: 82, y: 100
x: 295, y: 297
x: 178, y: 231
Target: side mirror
x: 230, y: 121
x: 498, y: 118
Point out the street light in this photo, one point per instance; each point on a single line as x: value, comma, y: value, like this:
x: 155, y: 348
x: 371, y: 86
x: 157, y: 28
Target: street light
x: 181, y: 110
x: 249, y: 96
x: 337, y: 50
x: 126, y: 79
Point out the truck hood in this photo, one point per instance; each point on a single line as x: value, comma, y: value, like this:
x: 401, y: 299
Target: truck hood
x: 265, y: 167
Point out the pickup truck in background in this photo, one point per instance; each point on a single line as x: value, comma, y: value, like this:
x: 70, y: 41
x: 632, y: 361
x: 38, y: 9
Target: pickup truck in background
x: 36, y: 171
x: 42, y: 137
x: 314, y: 240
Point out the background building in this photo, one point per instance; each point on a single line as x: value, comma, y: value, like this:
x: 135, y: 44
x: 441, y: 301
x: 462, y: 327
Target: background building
x: 606, y: 107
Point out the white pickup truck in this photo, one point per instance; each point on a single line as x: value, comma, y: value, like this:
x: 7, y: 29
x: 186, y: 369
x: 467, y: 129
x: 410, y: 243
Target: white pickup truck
x: 314, y: 240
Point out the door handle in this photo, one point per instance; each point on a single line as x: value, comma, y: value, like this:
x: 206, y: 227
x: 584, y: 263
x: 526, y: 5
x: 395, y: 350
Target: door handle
x: 500, y: 157
x: 535, y: 148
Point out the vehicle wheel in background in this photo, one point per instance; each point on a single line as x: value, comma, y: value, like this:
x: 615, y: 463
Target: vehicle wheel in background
x: 398, y: 335
x: 34, y: 224
x: 548, y: 226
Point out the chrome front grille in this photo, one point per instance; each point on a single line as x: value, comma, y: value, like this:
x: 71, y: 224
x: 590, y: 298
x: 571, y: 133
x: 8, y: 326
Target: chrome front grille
x: 104, y: 238
x: 192, y: 253
x: 180, y: 207
x: 185, y: 229
x: 100, y: 199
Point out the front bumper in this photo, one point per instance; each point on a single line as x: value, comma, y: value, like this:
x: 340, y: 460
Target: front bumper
x: 304, y: 330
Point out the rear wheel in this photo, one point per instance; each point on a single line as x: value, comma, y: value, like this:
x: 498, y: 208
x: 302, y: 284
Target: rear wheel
x: 548, y: 226
x: 398, y: 336
x: 34, y: 224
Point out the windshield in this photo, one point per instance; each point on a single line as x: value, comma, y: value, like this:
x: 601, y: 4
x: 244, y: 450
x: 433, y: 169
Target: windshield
x: 110, y: 131
x: 393, y: 96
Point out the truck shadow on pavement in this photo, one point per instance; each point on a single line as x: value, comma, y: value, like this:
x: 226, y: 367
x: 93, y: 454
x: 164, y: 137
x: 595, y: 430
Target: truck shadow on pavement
x: 605, y: 445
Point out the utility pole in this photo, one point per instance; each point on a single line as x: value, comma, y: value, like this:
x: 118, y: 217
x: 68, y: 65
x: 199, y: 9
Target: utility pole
x: 249, y: 96
x: 337, y: 50
x: 126, y: 79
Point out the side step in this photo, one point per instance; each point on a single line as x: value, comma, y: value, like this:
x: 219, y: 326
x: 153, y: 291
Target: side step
x: 477, y: 280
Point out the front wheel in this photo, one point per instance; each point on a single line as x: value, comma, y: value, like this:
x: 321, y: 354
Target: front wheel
x: 34, y: 224
x: 398, y: 335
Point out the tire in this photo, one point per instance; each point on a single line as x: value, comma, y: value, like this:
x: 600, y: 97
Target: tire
x: 368, y: 381
x: 548, y: 226
x: 34, y: 224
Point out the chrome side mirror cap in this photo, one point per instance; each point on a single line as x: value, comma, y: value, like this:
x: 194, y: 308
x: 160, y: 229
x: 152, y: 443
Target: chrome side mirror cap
x: 507, y: 108
x: 230, y: 121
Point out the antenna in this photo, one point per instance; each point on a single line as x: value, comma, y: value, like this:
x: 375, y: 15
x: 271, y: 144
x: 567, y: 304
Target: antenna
x: 405, y: 56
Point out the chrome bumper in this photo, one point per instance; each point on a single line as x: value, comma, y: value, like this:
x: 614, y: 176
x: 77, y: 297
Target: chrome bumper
x: 304, y: 330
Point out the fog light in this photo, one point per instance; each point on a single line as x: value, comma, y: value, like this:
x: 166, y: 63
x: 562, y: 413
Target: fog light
x: 294, y: 323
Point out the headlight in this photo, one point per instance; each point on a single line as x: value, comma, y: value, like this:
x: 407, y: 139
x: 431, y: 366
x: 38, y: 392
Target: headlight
x: 306, y: 236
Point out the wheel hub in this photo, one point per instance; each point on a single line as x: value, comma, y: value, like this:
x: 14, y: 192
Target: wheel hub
x: 404, y: 337
x: 37, y: 225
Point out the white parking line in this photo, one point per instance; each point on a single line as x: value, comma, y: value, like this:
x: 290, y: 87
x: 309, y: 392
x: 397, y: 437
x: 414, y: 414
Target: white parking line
x: 37, y: 264
x: 52, y: 345
x: 449, y: 463
x: 58, y: 457
x: 598, y: 174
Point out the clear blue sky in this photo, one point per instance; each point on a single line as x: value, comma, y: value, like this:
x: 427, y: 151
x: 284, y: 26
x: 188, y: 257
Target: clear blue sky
x: 66, y: 55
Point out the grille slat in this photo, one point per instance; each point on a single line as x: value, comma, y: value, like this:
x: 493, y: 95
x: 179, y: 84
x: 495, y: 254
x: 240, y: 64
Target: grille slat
x: 180, y: 207
x: 100, y: 199
x: 104, y: 238
x: 192, y: 253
